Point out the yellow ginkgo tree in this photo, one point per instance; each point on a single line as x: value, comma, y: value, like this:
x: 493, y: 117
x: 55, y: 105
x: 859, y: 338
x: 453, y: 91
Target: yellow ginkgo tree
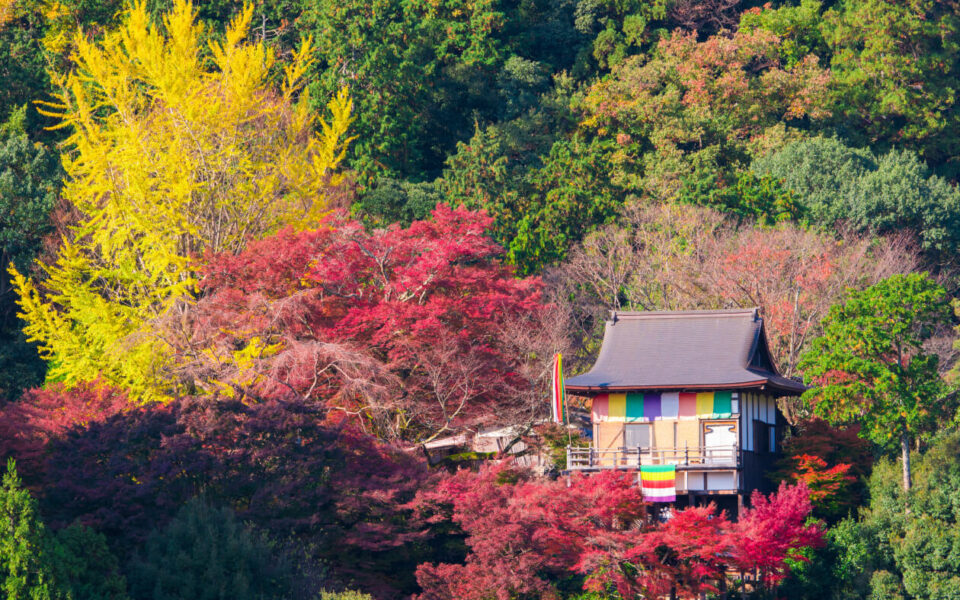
x: 174, y: 149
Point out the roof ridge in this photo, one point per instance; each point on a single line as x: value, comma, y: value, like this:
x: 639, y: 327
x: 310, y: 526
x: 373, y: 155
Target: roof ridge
x: 646, y: 314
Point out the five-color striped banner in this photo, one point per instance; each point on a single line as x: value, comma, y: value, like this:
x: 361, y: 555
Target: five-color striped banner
x: 558, y: 398
x: 659, y: 483
x: 640, y: 407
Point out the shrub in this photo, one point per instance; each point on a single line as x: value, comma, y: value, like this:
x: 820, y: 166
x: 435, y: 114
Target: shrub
x: 347, y: 595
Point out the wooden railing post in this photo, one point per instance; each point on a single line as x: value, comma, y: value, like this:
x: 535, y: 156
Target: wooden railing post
x: 590, y: 458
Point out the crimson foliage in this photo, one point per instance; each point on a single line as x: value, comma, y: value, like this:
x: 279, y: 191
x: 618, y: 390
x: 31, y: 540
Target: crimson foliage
x: 525, y: 537
x: 535, y: 538
x: 833, y: 461
x: 401, y: 329
x: 27, y: 425
x: 772, y: 530
x: 278, y: 463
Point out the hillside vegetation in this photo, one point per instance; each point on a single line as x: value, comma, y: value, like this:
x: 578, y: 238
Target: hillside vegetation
x: 256, y: 255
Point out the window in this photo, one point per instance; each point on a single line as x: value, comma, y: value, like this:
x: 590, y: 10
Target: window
x: 637, y: 435
x: 761, y: 437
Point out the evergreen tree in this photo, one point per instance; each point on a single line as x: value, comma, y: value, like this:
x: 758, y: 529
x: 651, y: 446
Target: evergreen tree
x: 25, y: 572
x: 206, y: 553
x: 870, y: 367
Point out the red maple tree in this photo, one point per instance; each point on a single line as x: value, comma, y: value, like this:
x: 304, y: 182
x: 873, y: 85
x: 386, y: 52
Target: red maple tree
x: 401, y: 329
x: 41, y: 415
x: 527, y: 536
x: 772, y: 529
x: 832, y: 461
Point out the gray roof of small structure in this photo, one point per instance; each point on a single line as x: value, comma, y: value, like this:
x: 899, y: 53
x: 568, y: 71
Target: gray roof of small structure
x: 711, y: 349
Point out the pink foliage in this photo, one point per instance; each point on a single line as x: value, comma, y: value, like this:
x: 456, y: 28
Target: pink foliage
x: 768, y: 532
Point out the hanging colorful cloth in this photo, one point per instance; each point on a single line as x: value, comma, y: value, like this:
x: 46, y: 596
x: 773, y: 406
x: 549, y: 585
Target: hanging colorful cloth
x: 658, y: 483
x: 559, y: 399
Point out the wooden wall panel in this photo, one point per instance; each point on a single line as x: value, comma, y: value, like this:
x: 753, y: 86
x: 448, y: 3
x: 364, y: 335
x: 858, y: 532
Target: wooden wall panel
x: 663, y: 432
x: 688, y: 432
x: 609, y: 436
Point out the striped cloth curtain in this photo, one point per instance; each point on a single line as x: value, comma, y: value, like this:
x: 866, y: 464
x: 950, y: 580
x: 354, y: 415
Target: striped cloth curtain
x: 650, y: 406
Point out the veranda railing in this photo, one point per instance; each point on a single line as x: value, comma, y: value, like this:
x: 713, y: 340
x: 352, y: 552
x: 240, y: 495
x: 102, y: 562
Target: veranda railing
x: 633, y: 458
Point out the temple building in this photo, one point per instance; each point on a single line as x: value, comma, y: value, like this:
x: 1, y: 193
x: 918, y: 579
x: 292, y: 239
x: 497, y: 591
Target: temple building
x: 689, y: 399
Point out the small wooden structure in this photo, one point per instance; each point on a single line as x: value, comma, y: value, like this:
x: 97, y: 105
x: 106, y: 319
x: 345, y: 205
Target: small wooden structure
x: 697, y: 390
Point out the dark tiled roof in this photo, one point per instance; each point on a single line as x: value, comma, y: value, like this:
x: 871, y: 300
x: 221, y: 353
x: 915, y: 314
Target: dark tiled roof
x: 714, y: 349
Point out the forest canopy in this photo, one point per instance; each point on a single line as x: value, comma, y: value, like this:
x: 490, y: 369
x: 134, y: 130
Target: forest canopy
x: 260, y: 258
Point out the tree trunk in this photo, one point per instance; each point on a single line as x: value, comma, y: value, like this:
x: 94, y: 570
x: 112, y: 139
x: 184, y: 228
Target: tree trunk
x: 905, y: 448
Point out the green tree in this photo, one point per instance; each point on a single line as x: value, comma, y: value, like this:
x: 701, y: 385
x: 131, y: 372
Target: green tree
x: 894, y: 68
x: 397, y: 201
x: 425, y: 75
x: 797, y: 25
x: 619, y: 28
x: 870, y: 366
x: 892, y: 192
x: 206, y: 553
x: 72, y: 564
x: 22, y: 63
x: 822, y: 171
x: 690, y: 107
x: 569, y: 196
x: 25, y: 572
x: 30, y: 178
x: 83, y: 566
x: 904, y: 544
x: 417, y: 69
x: 540, y: 209
x: 752, y: 197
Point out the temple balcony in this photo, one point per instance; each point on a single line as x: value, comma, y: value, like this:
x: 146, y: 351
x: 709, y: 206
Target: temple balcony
x: 700, y: 470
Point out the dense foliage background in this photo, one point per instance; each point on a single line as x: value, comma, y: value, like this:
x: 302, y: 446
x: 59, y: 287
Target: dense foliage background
x: 260, y: 253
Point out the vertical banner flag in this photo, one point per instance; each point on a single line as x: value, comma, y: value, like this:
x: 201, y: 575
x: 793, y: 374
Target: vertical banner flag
x: 658, y: 483
x: 558, y: 401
